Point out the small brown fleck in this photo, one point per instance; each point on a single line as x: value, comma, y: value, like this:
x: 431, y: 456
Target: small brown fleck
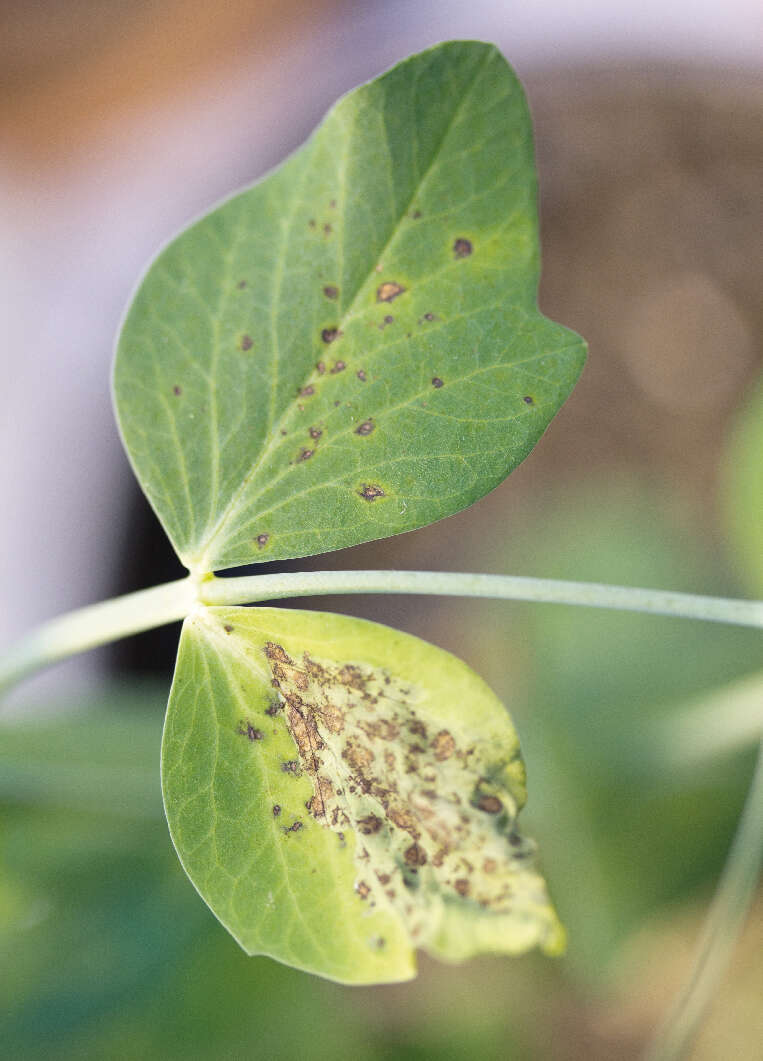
x: 332, y: 204
x: 361, y: 375
x: 362, y: 889
x: 462, y: 248
x: 489, y: 865
x: 365, y: 428
x: 416, y: 215
x: 415, y: 855
x: 320, y: 368
x: 437, y: 382
x: 276, y: 809
x: 228, y: 628
x: 383, y: 878
x: 315, y: 432
x: 241, y: 285
x: 428, y: 316
x: 327, y: 229
x: 330, y: 334
x: 273, y: 708
x: 248, y: 730
x: 291, y: 766
x: 515, y: 839
x: 305, y: 455
x: 339, y: 366
x: 177, y: 391
x: 307, y: 391
x: 462, y: 886
x: 369, y: 492
x: 369, y: 825
x: 246, y: 342
x: 262, y: 540
x: 528, y: 400
x: 388, y: 291
x: 311, y: 223
x: 443, y: 745
x: 330, y: 291
x: 294, y: 827
x: 490, y: 804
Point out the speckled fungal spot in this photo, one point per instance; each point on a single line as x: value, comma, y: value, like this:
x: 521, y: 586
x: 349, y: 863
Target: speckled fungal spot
x: 389, y: 291
x: 431, y: 810
x: 462, y: 248
x: 246, y: 342
x: 262, y: 540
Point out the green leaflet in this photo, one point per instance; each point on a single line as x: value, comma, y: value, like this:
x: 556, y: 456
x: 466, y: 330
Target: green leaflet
x: 351, y: 348
x: 341, y: 793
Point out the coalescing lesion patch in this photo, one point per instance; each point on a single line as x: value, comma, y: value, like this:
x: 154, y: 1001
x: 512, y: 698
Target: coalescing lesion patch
x: 433, y: 808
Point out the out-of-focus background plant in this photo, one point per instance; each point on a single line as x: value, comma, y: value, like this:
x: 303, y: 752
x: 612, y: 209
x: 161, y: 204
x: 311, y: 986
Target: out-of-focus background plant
x: 118, y: 124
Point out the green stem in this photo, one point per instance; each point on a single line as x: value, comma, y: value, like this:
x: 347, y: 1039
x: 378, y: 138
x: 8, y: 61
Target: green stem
x: 122, y: 616
x: 258, y: 588
x: 97, y: 625
x: 721, y: 931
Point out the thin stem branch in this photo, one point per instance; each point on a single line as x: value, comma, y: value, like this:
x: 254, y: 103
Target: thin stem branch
x: 259, y: 588
x: 122, y: 616
x: 96, y: 625
x: 722, y: 928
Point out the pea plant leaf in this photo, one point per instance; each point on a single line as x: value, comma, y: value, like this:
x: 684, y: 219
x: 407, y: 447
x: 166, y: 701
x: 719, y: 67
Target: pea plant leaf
x: 341, y: 793
x: 352, y: 347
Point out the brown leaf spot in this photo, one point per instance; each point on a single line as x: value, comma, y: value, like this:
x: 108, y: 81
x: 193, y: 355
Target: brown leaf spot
x: 369, y: 492
x: 369, y: 825
x: 276, y: 809
x: 490, y: 804
x: 415, y: 856
x: 528, y: 400
x: 428, y: 317
x: 246, y: 729
x: 277, y: 652
x: 462, y: 886
x: 365, y: 428
x: 416, y: 215
x: 443, y: 745
x: 305, y: 455
x: 362, y: 889
x: 437, y: 382
x: 177, y: 391
x: 228, y: 628
x: 327, y: 229
x: 320, y: 368
x: 462, y: 248
x: 330, y: 334
x: 241, y: 285
x: 361, y: 375
x: 388, y: 291
x: 339, y: 366
x: 291, y: 766
x: 330, y: 291
x: 307, y: 392
x: 311, y: 223
x: 246, y: 342
x: 262, y: 540
x: 315, y: 433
